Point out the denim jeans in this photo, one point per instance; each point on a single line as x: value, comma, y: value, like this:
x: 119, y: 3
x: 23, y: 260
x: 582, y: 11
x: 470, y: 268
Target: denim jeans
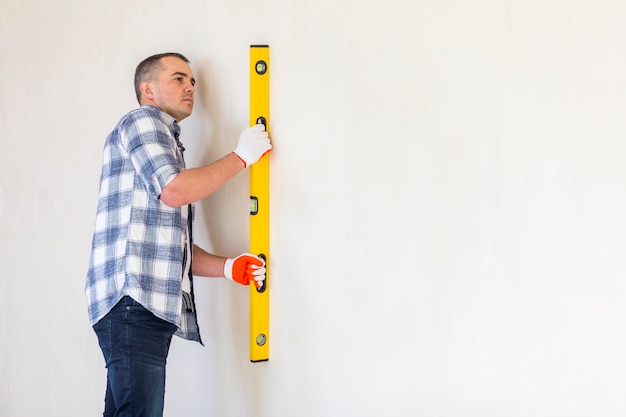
x: 135, y: 344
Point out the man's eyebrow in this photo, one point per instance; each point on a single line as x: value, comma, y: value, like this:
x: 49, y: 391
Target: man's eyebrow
x: 193, y: 80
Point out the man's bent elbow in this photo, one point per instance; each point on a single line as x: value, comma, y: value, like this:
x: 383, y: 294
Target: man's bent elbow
x: 171, y: 198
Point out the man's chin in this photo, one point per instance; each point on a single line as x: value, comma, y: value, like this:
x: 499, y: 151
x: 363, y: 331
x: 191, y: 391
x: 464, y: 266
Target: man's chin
x: 183, y: 114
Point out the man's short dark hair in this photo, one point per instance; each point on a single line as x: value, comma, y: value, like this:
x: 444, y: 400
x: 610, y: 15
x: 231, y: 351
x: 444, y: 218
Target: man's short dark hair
x: 149, y: 68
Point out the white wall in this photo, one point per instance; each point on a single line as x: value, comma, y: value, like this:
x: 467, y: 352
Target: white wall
x: 448, y: 193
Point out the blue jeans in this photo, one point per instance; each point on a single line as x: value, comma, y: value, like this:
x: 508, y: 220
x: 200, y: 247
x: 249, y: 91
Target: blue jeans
x: 135, y: 344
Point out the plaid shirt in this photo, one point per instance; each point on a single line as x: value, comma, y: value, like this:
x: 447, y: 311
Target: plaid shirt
x: 139, y: 243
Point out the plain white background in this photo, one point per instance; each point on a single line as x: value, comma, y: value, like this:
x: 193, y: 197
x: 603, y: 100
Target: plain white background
x: 447, y: 210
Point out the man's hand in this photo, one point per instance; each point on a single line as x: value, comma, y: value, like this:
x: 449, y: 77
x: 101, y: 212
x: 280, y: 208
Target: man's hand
x: 253, y: 143
x: 245, y: 268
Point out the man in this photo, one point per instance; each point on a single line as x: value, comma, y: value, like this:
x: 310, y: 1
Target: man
x: 140, y: 281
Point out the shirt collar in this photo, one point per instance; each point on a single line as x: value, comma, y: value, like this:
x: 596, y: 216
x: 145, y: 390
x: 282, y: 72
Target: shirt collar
x: 171, y: 123
x: 167, y: 119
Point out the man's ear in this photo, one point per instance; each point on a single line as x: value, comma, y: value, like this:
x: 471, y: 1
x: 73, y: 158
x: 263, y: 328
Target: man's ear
x: 146, y: 90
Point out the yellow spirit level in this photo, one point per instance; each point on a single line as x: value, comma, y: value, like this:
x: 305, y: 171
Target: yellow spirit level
x: 259, y: 204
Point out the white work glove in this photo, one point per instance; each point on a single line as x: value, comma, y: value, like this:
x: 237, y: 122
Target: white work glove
x: 253, y: 143
x: 245, y: 268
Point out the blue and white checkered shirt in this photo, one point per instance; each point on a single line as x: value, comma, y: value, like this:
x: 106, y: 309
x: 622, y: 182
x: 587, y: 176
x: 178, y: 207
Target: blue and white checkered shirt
x: 139, y: 244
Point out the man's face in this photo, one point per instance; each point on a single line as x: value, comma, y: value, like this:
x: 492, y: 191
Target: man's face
x: 172, y: 91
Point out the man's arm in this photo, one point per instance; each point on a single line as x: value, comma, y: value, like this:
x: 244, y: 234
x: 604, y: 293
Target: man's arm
x: 194, y: 184
x: 206, y: 264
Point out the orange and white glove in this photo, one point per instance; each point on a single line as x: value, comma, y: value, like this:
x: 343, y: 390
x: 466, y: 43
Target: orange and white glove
x: 245, y: 268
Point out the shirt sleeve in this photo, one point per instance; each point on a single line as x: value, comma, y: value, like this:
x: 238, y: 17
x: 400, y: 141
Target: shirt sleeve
x: 149, y: 144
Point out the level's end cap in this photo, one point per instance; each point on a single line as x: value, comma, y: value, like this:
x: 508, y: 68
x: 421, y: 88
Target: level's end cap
x: 258, y: 360
x: 259, y: 46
